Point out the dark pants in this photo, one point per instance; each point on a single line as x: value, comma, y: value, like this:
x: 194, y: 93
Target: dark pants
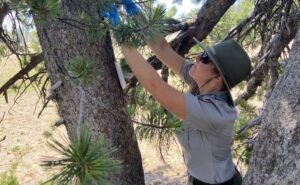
x: 235, y: 180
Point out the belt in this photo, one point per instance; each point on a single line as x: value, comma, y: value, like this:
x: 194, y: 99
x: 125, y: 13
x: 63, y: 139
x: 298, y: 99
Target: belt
x: 235, y: 180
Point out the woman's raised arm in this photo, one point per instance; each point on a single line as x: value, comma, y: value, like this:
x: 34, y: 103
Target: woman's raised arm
x: 165, y: 53
x: 167, y: 96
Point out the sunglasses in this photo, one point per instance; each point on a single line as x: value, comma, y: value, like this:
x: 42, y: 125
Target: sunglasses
x: 204, y: 58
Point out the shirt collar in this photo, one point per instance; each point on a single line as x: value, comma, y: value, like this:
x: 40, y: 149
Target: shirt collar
x: 219, y: 95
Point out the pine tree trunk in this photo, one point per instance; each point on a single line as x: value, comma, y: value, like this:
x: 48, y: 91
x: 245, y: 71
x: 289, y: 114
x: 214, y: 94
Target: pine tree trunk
x: 61, y: 43
x: 276, y: 154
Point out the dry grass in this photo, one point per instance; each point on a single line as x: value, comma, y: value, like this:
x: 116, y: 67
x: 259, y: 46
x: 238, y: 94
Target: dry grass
x: 26, y: 137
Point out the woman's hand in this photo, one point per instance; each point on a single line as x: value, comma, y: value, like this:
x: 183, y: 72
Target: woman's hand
x: 161, y: 48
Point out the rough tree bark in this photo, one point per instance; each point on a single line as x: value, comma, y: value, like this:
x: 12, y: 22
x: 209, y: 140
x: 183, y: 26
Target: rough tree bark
x: 276, y: 153
x: 61, y: 43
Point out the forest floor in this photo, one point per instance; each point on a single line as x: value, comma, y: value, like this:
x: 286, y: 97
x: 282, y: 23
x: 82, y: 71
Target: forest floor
x: 26, y: 136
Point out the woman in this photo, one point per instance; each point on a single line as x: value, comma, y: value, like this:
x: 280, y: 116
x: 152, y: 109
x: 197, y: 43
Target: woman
x: 209, y: 115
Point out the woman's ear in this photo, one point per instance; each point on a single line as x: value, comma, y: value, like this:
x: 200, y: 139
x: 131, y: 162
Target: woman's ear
x: 218, y: 82
x: 219, y: 79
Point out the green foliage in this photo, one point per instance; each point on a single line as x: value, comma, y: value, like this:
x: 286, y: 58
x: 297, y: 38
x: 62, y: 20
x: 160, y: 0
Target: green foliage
x: 243, y: 153
x: 44, y: 9
x: 124, y: 65
x: 155, y: 124
x: 261, y: 91
x: 95, y: 28
x: 171, y: 12
x: 246, y: 108
x: 47, y: 134
x: 34, y: 43
x: 42, y: 183
x: 162, y: 129
x: 192, y: 13
x: 9, y: 178
x: 98, y: 6
x: 160, y: 126
x: 83, y: 161
x: 14, y: 166
x: 130, y: 110
x: 129, y: 32
x: 247, y: 112
x: 231, y: 18
x: 159, y: 117
x: 194, y: 1
x: 83, y: 69
x: 3, y: 50
x: 133, y: 33
x: 19, y: 152
x: 239, y: 123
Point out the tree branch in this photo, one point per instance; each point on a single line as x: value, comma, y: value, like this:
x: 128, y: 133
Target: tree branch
x: 2, y: 117
x: 4, y: 137
x: 34, y: 61
x: 208, y: 16
x: 271, y: 54
x: 252, y: 123
x: 274, y: 76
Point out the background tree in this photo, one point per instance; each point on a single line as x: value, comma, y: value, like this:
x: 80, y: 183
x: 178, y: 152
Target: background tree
x: 275, y: 156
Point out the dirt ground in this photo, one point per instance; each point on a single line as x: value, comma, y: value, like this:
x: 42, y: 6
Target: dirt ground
x: 26, y: 135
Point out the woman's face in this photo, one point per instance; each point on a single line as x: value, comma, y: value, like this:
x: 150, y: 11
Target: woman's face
x: 202, y: 72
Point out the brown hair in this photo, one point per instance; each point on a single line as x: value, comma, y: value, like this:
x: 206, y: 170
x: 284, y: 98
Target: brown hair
x: 194, y: 89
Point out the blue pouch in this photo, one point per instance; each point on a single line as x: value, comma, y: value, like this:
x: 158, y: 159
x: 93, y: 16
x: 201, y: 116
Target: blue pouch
x: 130, y: 7
x: 112, y: 14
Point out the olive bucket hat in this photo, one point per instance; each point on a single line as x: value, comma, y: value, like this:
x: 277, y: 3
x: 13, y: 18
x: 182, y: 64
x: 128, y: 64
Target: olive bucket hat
x: 231, y: 61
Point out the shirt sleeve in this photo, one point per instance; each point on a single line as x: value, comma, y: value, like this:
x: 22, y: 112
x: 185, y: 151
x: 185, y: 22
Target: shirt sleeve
x: 184, y: 71
x: 209, y: 115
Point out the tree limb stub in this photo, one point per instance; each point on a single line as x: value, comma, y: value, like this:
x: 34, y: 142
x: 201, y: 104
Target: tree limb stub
x: 252, y: 123
x: 56, y: 85
x: 59, y: 122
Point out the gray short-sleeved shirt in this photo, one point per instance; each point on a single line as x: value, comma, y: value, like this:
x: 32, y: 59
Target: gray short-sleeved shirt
x: 206, y: 134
